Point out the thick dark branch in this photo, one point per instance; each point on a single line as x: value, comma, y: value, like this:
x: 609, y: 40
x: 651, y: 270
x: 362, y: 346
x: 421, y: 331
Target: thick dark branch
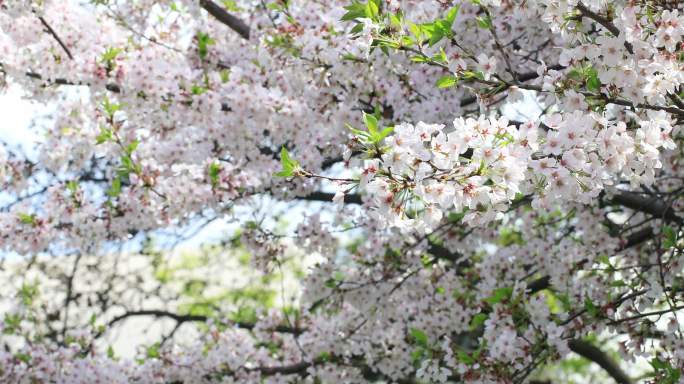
x: 651, y: 205
x: 298, y: 368
x: 442, y: 253
x: 638, y: 237
x: 539, y: 284
x: 54, y: 34
x: 633, y: 240
x: 226, y: 18
x: 607, y: 24
x: 327, y: 197
x: 592, y: 353
x: 110, y: 87
x: 301, y: 369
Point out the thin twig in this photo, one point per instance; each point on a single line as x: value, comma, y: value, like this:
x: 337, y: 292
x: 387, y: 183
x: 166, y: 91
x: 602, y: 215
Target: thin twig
x: 54, y: 34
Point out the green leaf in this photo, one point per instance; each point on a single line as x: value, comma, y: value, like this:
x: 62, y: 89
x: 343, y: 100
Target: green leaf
x: 358, y: 28
x: 371, y: 123
x: 115, y: 188
x: 110, y: 108
x: 465, y: 358
x: 153, y: 351
x: 417, y: 356
x: 395, y: 19
x: 416, y: 30
x: 28, y: 293
x: 477, y: 321
x: 667, y: 374
x: 603, y: 259
x: 104, y: 136
x: 669, y: 237
x: 110, y: 352
x: 500, y: 294
x: 436, y: 36
x: 26, y: 358
x: 420, y: 337
x: 473, y: 75
x: 214, y: 170
x: 375, y: 134
x: 324, y: 356
x: 72, y: 186
x: 575, y: 74
x: 225, y: 75
x: 203, y: 43
x: 132, y: 146
x: 484, y: 22
x: 447, y: 81
x: 593, y: 82
x: 384, y: 133
x: 110, y: 54
x: 372, y: 10
x: 25, y: 218
x: 451, y: 16
x: 231, y: 5
x: 590, y: 307
x: 289, y: 165
x: 456, y: 217
x: 354, y: 11
x: 197, y: 90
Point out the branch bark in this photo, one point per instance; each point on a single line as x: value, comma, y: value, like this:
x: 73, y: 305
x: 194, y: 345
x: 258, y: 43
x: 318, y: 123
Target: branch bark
x: 604, y: 21
x: 54, y: 34
x: 327, y: 197
x: 593, y: 353
x: 226, y: 18
x: 160, y: 313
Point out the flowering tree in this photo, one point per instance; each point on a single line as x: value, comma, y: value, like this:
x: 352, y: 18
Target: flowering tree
x: 459, y: 243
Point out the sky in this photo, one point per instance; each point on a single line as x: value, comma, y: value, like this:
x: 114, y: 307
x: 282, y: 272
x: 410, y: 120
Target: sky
x: 17, y: 114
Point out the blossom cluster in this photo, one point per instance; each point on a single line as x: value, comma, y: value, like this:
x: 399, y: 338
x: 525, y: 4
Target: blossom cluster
x: 516, y: 194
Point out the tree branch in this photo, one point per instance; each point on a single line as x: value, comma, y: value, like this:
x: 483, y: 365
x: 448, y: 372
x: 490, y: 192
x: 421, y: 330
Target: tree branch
x: 226, y: 18
x: 54, y: 34
x: 160, y: 313
x: 604, y: 21
x: 651, y: 205
x: 592, y: 353
x: 327, y: 197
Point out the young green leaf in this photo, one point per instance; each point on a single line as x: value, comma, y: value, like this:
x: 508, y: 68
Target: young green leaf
x: 590, y: 307
x: 500, y: 294
x: 420, y: 337
x: 477, y: 321
x: 26, y: 218
x: 371, y: 123
x: 484, y: 22
x: 203, y: 43
x: 214, y: 170
x: 290, y: 166
x: 593, y: 82
x: 465, y: 358
x: 447, y: 81
x: 451, y: 16
x: 669, y: 237
x: 115, y: 188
